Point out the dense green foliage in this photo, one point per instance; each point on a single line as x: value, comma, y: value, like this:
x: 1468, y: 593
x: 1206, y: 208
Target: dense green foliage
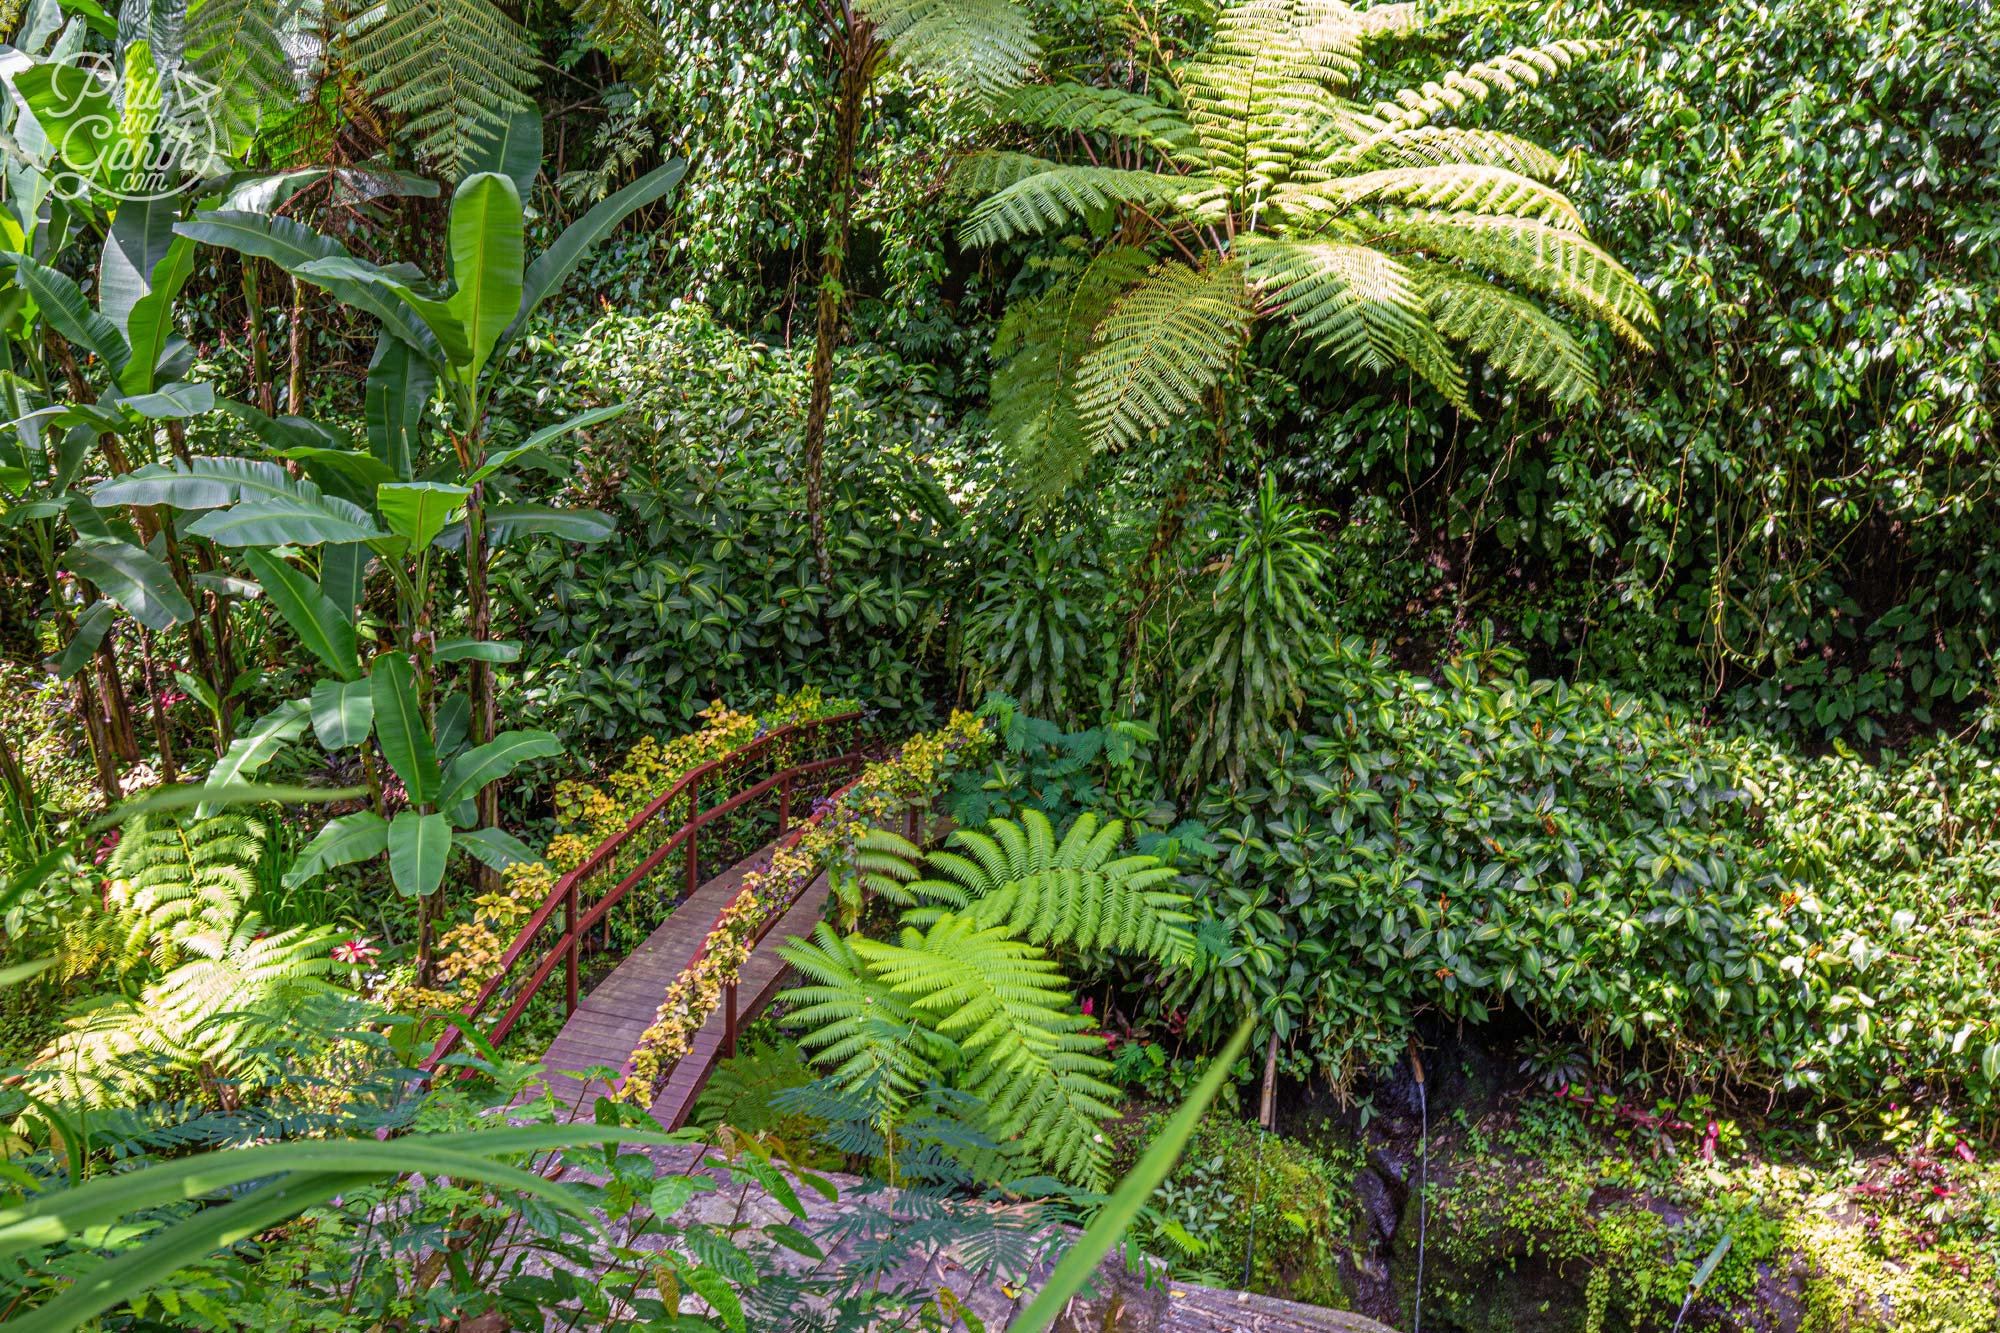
x: 1475, y: 523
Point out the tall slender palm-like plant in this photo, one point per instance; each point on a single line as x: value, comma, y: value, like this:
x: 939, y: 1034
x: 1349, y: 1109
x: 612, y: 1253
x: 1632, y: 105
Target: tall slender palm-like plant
x: 1249, y: 184
x: 980, y: 47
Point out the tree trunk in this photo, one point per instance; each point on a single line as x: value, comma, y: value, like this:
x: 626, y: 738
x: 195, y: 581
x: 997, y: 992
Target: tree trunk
x: 479, y: 685
x: 857, y: 53
x: 260, y: 350
x: 117, y: 709
x: 162, y: 734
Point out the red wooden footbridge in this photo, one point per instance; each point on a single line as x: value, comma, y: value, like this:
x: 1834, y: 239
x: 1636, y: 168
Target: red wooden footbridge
x: 671, y: 871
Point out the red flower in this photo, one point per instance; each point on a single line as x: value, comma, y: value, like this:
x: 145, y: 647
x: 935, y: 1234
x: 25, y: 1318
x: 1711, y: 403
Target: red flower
x: 356, y: 951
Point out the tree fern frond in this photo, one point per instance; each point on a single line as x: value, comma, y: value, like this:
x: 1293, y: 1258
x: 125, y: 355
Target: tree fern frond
x: 985, y: 45
x: 1514, y: 334
x: 1524, y: 65
x: 1453, y: 188
x: 1083, y: 109
x: 991, y: 170
x: 1357, y: 304
x: 1033, y: 393
x: 1166, y: 342
x: 453, y: 70
x: 628, y: 31
x: 1547, y: 259
x: 1444, y: 145
x: 1049, y: 199
x: 248, y: 50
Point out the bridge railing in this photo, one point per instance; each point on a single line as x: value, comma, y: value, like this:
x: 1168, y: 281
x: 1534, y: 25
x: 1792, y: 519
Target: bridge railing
x: 663, y: 850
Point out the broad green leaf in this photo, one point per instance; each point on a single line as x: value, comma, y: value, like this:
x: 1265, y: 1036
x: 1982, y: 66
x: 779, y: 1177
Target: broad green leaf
x: 418, y: 510
x: 468, y: 773
x: 1077, y: 1266
x: 132, y: 577
x: 90, y: 630
x: 49, y: 1218
x: 445, y: 328
x: 487, y: 258
x: 545, y: 436
x: 140, y: 234
x: 419, y: 846
x: 255, y: 746
x: 73, y: 107
x: 342, y: 841
x: 515, y: 151
x: 494, y: 848
x: 343, y: 712
x: 554, y: 265
x: 209, y: 483
x: 149, y: 329
x: 324, y: 630
x: 217, y: 796
x: 348, y: 473
x: 714, y: 1288
x: 477, y: 650
x: 399, y: 386
x: 510, y: 521
x: 343, y: 572
x: 176, y: 402
x: 63, y: 305
x: 291, y: 521
x: 290, y: 246
x: 399, y: 725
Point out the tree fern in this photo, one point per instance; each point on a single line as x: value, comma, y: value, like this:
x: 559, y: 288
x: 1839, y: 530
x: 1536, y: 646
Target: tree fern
x: 967, y: 994
x: 1384, y: 237
x: 982, y: 45
x: 250, y: 50
x: 1040, y: 344
x: 1173, y: 336
x: 1009, y: 1011
x: 1075, y: 893
x: 1050, y: 199
x: 175, y: 883
x: 452, y: 70
x: 235, y: 991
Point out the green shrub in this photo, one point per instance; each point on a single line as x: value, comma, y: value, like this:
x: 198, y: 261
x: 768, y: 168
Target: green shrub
x: 1605, y: 864
x: 708, y: 589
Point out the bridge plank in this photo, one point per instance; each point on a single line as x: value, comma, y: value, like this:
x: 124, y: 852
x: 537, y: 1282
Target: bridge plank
x: 610, y: 1020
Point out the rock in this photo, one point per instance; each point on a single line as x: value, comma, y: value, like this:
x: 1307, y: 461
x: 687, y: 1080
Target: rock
x: 1382, y: 1202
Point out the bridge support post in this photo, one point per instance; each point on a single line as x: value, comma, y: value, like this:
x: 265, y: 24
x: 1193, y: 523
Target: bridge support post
x: 694, y: 836
x: 729, y: 1020
x: 569, y: 955
x: 784, y: 806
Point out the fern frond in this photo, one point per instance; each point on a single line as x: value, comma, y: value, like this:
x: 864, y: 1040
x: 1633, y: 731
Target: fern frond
x: 452, y: 70
x: 247, y: 48
x: 1447, y: 188
x: 1082, y: 109
x: 1008, y: 1008
x: 1033, y: 393
x: 1443, y: 146
x: 1049, y: 199
x: 628, y: 31
x: 990, y: 170
x: 1523, y: 66
x: 1075, y: 894
x: 1559, y: 263
x: 985, y: 45
x: 1166, y: 342
x: 1514, y: 334
x: 856, y: 1027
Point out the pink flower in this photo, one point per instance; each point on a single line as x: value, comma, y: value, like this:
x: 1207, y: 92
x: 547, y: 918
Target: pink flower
x: 356, y: 951
x: 1089, y: 1008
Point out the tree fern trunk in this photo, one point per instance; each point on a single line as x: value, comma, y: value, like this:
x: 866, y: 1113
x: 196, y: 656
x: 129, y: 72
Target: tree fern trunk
x: 855, y: 51
x: 480, y: 684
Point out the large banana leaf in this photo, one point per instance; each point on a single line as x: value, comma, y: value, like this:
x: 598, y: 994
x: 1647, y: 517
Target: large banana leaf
x: 554, y: 265
x: 325, y: 631
x: 486, y: 261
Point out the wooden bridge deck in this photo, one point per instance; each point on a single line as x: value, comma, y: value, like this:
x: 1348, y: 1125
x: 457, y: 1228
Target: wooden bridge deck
x: 609, y: 1021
